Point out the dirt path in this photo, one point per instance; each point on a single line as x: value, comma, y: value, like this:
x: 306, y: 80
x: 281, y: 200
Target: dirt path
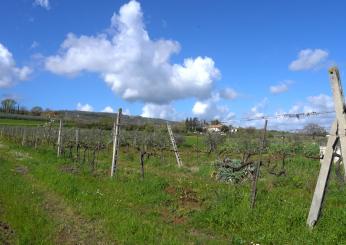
x: 72, y: 228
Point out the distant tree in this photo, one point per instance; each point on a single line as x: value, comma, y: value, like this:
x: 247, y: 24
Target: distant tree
x: 215, y: 122
x: 23, y: 110
x: 212, y: 141
x: 8, y: 105
x: 187, y: 125
x: 36, y: 111
x: 314, y: 130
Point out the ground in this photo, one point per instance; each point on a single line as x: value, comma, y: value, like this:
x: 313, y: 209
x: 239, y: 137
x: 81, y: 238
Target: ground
x: 45, y: 200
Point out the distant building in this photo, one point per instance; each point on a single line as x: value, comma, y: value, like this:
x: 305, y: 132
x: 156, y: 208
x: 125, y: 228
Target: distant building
x: 214, y: 128
x: 233, y: 130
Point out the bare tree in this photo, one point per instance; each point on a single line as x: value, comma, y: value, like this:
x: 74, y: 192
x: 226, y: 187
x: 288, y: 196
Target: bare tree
x: 314, y: 130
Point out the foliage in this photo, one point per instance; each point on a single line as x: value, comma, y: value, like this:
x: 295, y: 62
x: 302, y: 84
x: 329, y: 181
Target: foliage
x: 231, y: 170
x: 8, y: 105
x: 213, y: 140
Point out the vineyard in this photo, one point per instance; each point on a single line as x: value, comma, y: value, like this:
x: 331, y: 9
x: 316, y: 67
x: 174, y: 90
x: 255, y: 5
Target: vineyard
x: 253, y: 186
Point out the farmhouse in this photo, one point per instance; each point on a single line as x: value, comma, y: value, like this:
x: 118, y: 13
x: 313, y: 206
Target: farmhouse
x: 214, y: 128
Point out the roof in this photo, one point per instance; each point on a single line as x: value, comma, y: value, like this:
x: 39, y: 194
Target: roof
x: 215, y: 126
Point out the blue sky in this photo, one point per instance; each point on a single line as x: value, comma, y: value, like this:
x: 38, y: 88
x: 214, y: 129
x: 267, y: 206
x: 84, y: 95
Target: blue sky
x: 172, y: 59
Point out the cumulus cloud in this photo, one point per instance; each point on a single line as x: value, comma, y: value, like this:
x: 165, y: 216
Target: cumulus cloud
x: 10, y: 74
x: 84, y: 107
x: 228, y: 93
x: 108, y: 109
x: 42, y: 3
x: 210, y: 109
x: 135, y: 66
x: 281, y: 87
x: 308, y: 59
x: 159, y: 111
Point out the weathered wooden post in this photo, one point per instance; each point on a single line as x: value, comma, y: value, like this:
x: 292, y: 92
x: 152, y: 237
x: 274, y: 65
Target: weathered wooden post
x: 337, y: 134
x: 258, y: 166
x: 59, y: 138
x: 174, y: 145
x: 116, y: 143
x: 24, y: 137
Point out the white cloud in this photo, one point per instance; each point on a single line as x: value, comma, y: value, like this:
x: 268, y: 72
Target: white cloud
x: 108, y: 109
x: 308, y: 59
x: 210, y: 109
x: 159, y: 111
x: 281, y: 87
x: 278, y: 89
x: 9, y: 73
x: 319, y: 103
x: 200, y: 108
x: 85, y: 107
x: 42, y: 3
x: 228, y: 93
x: 133, y: 65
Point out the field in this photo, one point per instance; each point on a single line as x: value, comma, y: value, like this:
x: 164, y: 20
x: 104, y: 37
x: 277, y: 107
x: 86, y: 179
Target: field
x: 50, y: 200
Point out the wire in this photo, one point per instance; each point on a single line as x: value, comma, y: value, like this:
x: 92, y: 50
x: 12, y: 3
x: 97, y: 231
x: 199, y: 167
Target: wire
x: 298, y: 116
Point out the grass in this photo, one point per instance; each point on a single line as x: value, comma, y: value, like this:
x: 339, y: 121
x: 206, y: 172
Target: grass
x: 20, y: 206
x: 21, y: 122
x: 170, y: 206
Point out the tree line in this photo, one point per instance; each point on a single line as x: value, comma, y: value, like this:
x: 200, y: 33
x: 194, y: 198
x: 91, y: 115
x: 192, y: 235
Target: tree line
x: 11, y: 106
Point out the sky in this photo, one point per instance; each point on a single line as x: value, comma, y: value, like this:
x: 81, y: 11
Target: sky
x: 225, y: 60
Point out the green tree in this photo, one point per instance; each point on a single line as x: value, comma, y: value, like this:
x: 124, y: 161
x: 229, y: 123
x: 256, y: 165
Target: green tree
x: 215, y: 122
x: 8, y: 105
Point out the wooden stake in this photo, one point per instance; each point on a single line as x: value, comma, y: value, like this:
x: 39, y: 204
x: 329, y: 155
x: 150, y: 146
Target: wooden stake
x: 116, y: 143
x: 59, y: 138
x: 24, y: 137
x: 258, y: 166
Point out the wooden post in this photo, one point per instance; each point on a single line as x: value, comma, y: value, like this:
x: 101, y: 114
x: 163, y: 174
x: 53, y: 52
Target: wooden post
x: 337, y: 134
x: 24, y: 137
x: 116, y: 143
x: 197, y: 162
x: 59, y: 138
x: 258, y: 166
x: 175, y: 148
x: 77, y: 144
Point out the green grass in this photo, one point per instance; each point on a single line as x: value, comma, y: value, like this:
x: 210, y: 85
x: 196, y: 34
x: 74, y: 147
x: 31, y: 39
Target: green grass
x: 20, y: 122
x: 30, y: 122
x: 21, y: 207
x: 171, y: 205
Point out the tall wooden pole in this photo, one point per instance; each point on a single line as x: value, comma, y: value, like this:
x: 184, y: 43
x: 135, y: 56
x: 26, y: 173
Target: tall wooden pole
x: 337, y: 134
x: 116, y: 143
